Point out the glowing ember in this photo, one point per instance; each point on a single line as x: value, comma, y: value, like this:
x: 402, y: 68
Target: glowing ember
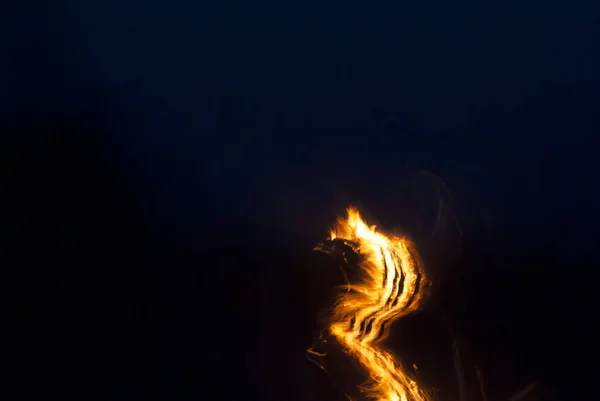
x: 393, y: 285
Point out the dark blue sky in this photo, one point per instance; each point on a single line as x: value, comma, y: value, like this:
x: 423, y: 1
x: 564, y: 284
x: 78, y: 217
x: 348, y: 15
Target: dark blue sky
x: 269, y: 111
x: 240, y: 120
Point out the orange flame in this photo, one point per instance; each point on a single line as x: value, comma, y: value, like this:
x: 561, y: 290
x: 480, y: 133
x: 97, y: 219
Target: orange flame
x: 394, y: 286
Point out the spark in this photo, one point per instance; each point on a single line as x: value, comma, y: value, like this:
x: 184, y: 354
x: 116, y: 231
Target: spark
x: 393, y: 285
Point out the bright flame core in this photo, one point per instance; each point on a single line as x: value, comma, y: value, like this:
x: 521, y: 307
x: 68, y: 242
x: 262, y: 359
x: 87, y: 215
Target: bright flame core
x: 393, y: 285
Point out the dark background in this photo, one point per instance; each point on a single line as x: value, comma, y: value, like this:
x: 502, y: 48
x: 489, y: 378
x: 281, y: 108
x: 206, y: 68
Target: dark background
x: 169, y: 166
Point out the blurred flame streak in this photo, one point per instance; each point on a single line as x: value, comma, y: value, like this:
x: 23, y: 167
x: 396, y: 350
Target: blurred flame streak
x: 394, y: 286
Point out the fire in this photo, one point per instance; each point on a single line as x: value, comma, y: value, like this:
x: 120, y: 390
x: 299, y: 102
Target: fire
x: 393, y: 285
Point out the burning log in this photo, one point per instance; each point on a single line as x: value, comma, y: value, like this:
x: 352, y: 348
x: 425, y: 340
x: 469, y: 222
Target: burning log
x: 388, y: 284
x: 384, y: 282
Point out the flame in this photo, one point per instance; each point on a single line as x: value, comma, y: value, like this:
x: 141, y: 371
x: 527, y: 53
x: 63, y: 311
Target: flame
x: 393, y: 285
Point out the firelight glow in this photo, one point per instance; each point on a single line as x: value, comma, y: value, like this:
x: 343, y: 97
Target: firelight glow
x: 393, y: 285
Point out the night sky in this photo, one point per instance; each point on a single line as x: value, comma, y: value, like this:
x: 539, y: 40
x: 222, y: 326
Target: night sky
x: 169, y: 166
